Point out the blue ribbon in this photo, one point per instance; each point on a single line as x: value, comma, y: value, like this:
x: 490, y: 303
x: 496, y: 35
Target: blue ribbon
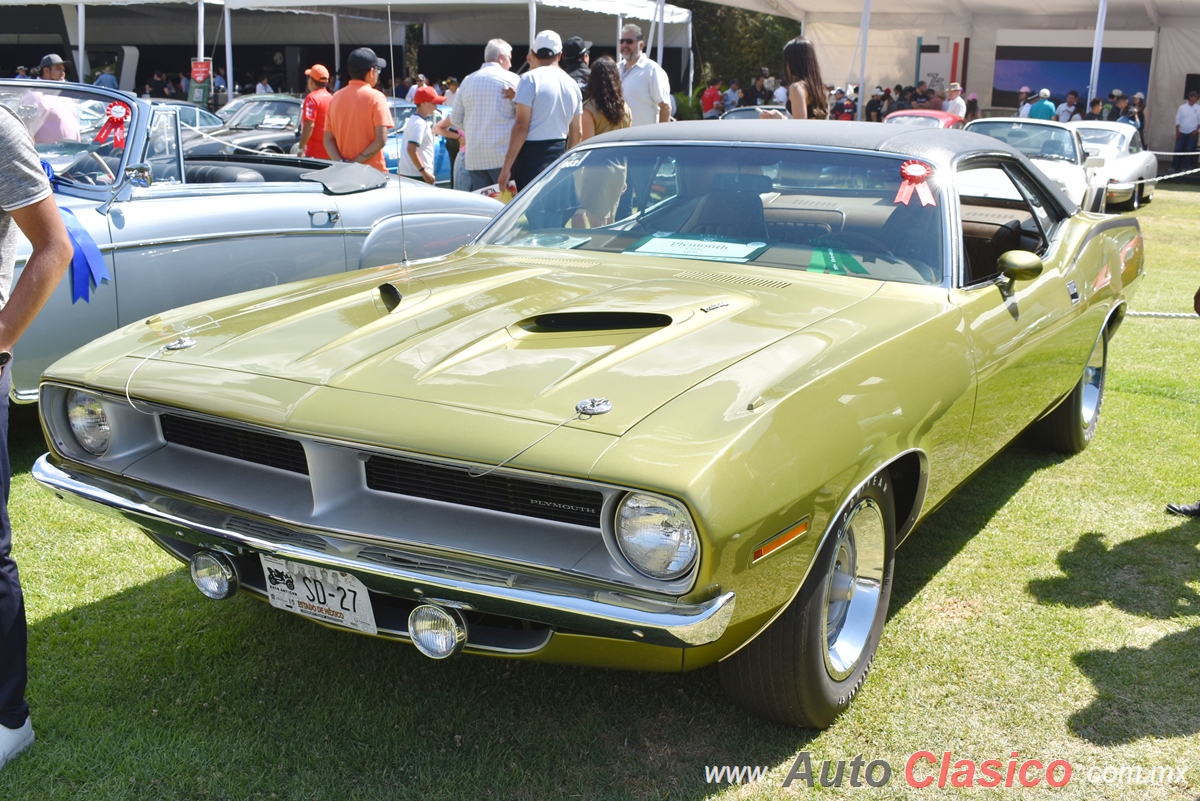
x: 87, y: 265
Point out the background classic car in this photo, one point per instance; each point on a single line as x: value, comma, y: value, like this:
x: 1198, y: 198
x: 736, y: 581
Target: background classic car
x: 693, y: 432
x: 924, y: 117
x: 1128, y: 167
x: 1057, y: 150
x: 203, y: 227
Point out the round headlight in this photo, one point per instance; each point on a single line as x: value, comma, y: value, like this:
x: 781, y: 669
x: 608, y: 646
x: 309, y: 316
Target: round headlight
x: 88, y: 421
x: 656, y: 535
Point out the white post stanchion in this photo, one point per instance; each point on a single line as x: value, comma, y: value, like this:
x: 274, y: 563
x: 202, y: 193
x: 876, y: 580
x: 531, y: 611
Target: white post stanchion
x: 864, y: 31
x: 337, y: 49
x: 80, y: 31
x: 229, y: 81
x: 200, y: 29
x: 1097, y: 51
x: 532, y: 22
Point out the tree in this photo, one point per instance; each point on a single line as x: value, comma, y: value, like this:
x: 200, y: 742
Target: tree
x: 735, y: 43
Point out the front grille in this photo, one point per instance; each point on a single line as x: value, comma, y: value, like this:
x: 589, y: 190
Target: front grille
x: 236, y: 443
x: 516, y: 496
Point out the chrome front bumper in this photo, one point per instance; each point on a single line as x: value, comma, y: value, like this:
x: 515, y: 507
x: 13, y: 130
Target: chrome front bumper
x: 547, y: 600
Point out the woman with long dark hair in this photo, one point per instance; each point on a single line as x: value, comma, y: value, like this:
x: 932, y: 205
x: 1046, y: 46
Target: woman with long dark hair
x: 600, y: 185
x: 806, y: 90
x: 604, y: 107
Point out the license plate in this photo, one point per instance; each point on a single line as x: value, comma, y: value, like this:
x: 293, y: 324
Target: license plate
x: 329, y: 596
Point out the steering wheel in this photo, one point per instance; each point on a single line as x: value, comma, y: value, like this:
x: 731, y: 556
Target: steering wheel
x: 851, y: 239
x: 112, y: 178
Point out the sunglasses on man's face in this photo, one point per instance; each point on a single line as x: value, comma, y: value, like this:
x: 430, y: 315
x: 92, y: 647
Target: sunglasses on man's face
x: 628, y: 41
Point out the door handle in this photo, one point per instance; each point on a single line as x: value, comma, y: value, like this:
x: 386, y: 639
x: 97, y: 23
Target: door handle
x: 331, y: 216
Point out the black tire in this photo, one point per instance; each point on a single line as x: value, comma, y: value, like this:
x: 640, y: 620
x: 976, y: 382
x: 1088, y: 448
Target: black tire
x: 1071, y: 426
x: 788, y: 674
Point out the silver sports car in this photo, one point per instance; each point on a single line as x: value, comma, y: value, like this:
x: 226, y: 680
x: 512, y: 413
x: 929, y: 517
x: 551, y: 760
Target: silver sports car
x: 155, y: 229
x: 1128, y: 167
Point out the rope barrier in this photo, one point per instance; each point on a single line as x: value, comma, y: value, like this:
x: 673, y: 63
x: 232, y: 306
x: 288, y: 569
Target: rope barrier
x: 1166, y: 315
x: 1162, y: 177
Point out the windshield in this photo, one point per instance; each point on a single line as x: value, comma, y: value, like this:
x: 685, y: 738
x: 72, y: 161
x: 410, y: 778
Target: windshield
x: 1101, y: 137
x: 1047, y: 142
x: 266, y: 114
x: 400, y: 115
x: 792, y: 209
x: 67, y: 124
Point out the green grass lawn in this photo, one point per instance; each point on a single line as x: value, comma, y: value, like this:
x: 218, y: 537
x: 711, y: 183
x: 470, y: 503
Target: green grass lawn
x: 1051, y: 608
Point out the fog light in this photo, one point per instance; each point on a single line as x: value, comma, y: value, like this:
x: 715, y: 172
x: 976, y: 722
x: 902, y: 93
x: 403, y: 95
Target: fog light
x: 213, y: 574
x: 438, y: 633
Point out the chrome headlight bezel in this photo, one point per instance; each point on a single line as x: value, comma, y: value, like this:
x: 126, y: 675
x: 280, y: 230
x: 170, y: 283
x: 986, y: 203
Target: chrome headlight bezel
x: 656, y: 535
x: 88, y: 421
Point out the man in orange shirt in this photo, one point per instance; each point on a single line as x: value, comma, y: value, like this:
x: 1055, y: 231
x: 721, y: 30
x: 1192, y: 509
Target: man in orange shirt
x: 312, y: 129
x: 358, y: 118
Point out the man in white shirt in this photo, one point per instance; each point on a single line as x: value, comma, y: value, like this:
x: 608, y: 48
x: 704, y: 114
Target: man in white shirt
x: 1187, y: 124
x: 485, y: 115
x: 956, y: 105
x: 412, y: 90
x: 263, y: 88
x: 1024, y: 104
x: 549, y: 114
x: 1069, y: 109
x: 645, y: 84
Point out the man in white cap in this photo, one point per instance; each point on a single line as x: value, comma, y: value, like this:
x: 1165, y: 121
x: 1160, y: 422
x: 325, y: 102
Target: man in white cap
x: 1044, y: 108
x: 549, y: 114
x: 1024, y: 104
x: 956, y: 105
x: 645, y: 84
x: 874, y: 108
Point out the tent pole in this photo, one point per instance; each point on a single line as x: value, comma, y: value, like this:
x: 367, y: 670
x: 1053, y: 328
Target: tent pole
x: 230, y: 83
x: 80, y: 64
x: 337, y: 51
x: 691, y: 67
x: 1097, y: 52
x: 662, y: 23
x: 862, y: 64
x: 199, y: 30
x: 532, y: 22
x: 620, y: 26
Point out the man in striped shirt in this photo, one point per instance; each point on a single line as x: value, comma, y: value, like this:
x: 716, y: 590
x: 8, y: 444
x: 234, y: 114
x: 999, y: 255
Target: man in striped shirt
x: 484, y: 113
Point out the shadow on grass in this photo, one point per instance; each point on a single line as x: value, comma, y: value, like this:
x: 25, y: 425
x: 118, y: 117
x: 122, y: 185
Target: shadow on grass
x: 1154, y: 691
x: 1148, y: 576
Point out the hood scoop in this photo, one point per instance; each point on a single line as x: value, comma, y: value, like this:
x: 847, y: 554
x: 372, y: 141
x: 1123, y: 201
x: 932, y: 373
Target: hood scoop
x: 588, y: 321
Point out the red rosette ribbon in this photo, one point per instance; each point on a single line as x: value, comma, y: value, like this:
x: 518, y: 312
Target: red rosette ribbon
x: 915, y: 174
x: 117, y: 115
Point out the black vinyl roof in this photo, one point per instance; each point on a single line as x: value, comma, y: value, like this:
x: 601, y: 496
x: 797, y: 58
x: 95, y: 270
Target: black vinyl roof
x: 934, y: 145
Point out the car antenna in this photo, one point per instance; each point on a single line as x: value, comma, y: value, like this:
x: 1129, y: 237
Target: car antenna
x: 400, y: 160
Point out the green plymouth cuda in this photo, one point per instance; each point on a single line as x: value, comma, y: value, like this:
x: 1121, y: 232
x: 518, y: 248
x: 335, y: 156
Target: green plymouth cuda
x: 677, y: 405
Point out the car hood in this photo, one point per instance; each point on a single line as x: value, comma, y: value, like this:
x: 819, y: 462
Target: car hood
x: 517, y: 333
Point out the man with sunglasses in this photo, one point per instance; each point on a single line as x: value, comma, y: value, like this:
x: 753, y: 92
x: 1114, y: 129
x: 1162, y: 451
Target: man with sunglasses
x: 358, y: 117
x: 645, y: 84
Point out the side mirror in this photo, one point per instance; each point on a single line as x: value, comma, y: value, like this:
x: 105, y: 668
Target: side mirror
x: 139, y: 174
x: 1094, y: 162
x: 1018, y: 265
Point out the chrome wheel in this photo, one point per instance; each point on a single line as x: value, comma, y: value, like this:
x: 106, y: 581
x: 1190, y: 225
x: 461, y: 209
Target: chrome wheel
x: 854, y: 587
x: 1093, y: 386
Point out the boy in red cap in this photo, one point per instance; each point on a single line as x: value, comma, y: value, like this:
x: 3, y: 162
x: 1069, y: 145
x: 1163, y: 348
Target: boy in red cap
x: 312, y: 130
x: 416, y: 151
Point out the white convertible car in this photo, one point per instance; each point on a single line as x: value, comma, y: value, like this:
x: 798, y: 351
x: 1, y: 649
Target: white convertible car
x: 1126, y: 164
x: 1057, y: 150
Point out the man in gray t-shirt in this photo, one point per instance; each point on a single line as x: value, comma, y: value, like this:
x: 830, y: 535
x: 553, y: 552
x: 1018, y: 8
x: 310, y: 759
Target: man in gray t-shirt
x: 549, y: 114
x: 26, y: 203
